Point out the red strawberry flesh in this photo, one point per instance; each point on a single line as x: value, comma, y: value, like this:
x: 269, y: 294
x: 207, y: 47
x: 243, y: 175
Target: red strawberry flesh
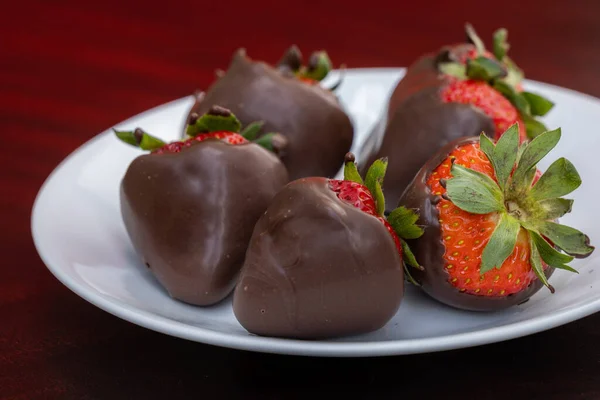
x: 465, y: 235
x: 481, y: 95
x: 228, y: 137
x: 359, y: 196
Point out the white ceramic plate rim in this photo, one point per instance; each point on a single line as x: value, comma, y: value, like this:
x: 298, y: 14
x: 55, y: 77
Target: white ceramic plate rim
x: 302, y: 347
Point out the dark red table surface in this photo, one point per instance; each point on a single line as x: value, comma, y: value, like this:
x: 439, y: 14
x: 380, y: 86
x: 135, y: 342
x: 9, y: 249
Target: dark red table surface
x: 69, y: 69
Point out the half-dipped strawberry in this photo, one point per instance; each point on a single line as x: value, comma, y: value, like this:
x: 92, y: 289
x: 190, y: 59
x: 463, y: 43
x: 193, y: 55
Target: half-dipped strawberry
x: 491, y: 237
x: 460, y: 91
x: 287, y: 99
x: 323, y: 260
x: 189, y: 207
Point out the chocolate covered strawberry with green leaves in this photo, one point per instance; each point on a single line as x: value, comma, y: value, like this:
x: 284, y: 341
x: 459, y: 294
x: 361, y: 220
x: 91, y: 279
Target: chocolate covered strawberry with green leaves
x: 287, y: 98
x: 324, y: 261
x: 491, y: 236
x: 492, y: 82
x: 459, y: 91
x: 189, y: 207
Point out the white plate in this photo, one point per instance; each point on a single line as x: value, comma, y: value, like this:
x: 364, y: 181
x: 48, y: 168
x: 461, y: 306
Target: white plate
x: 79, y: 234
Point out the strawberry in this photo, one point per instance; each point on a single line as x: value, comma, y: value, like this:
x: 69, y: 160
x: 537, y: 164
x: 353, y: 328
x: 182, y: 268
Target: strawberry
x: 189, y: 207
x: 207, y: 127
x: 324, y: 261
x: 459, y: 91
x: 483, y: 96
x: 289, y: 98
x: 492, y: 83
x: 491, y: 237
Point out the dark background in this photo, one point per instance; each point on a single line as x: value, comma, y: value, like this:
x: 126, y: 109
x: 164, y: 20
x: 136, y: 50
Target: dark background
x: 70, y: 70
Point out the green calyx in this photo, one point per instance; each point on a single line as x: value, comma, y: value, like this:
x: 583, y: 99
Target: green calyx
x: 139, y: 138
x: 402, y: 220
x: 319, y: 64
x: 521, y: 202
x: 216, y: 119
x: 503, y: 75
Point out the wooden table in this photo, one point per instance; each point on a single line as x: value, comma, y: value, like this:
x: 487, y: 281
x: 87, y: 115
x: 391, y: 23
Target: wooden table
x: 69, y: 70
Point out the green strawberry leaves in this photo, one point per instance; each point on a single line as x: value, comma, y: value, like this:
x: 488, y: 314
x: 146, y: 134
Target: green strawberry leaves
x: 514, y: 96
x: 560, y: 179
x: 485, y: 69
x: 500, y: 45
x: 139, y: 138
x: 252, y: 130
x: 538, y: 105
x: 503, y: 154
x: 520, y: 204
x: 555, y: 208
x: 374, y: 180
x: 533, y: 127
x: 319, y: 65
x: 402, y: 220
x: 216, y: 119
x: 473, y: 191
x: 501, y: 243
x: 568, y: 239
x: 350, y: 171
x: 549, y: 254
x: 502, y: 74
x: 536, y: 264
x: 454, y: 69
x: 273, y: 142
x: 532, y: 153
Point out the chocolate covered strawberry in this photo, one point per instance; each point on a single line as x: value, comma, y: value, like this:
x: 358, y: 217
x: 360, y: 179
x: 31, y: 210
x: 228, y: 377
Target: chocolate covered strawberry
x: 287, y: 98
x: 323, y: 260
x: 189, y: 207
x: 491, y: 237
x: 459, y: 91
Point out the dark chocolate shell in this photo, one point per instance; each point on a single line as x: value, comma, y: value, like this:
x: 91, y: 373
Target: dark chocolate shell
x: 317, y: 268
x: 318, y: 130
x: 190, y: 215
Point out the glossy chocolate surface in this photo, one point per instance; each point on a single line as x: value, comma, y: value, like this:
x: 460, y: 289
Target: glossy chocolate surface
x: 429, y: 248
x: 318, y: 130
x: 317, y: 267
x: 418, y: 123
x: 191, y: 214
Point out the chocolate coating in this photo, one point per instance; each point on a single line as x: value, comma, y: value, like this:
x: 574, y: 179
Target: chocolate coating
x: 429, y: 248
x: 191, y: 214
x: 418, y: 123
x: 317, y: 267
x: 318, y: 130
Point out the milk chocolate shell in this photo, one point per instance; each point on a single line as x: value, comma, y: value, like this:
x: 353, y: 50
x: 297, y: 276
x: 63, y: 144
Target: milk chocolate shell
x: 418, y: 123
x: 190, y: 215
x: 318, y: 130
x: 317, y: 268
x: 429, y: 248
